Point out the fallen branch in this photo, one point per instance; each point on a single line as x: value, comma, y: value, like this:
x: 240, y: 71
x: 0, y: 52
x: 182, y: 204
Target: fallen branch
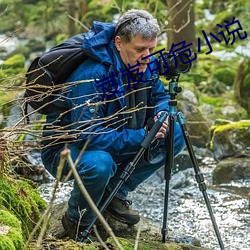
x: 66, y: 154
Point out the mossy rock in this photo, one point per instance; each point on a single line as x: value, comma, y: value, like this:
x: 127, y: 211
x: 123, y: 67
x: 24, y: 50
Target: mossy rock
x: 231, y: 169
x: 22, y: 200
x: 232, y: 139
x: 11, y: 237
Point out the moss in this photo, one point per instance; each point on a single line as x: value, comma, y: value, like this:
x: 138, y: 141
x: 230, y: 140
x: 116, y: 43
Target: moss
x: 22, y: 200
x: 128, y: 244
x: 13, y: 239
x: 235, y: 125
x: 224, y: 75
x: 219, y: 103
x: 16, y: 237
x: 214, y: 101
x: 9, y: 219
x: 6, y: 243
x: 66, y: 245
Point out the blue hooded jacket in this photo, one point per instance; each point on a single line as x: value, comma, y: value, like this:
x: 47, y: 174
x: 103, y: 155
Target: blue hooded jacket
x: 90, y: 119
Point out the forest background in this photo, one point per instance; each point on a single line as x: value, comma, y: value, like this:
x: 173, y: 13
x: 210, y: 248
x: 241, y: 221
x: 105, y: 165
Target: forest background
x: 220, y: 78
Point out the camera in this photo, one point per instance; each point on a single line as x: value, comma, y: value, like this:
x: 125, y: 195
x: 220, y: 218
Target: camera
x: 172, y: 65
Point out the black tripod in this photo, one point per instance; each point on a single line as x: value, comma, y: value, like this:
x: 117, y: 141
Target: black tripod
x: 173, y: 90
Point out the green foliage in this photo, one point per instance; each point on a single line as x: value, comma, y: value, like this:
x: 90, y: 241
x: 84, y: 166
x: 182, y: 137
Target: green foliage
x: 219, y: 102
x: 16, y: 61
x: 13, y: 66
x: 224, y: 75
x: 242, y: 84
x: 223, y: 11
x: 211, y: 74
x: 214, y: 101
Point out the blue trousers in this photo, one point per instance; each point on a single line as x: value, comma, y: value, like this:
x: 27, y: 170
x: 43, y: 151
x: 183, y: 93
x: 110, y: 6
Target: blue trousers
x: 100, y: 170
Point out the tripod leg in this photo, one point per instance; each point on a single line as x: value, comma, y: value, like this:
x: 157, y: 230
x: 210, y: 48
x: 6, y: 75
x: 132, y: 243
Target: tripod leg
x: 168, y: 173
x: 199, y: 177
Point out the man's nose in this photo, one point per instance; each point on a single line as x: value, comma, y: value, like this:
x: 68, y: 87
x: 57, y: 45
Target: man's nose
x: 146, y: 55
x: 146, y: 52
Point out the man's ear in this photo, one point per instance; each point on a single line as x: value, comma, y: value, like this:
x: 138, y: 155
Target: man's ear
x: 118, y: 43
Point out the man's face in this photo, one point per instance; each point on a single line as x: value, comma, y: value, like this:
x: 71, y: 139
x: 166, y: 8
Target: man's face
x: 135, y: 50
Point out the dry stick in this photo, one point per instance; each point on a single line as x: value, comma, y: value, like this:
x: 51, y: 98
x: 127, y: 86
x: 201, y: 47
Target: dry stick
x: 45, y: 217
x: 137, y: 236
x: 99, y: 238
x: 66, y: 154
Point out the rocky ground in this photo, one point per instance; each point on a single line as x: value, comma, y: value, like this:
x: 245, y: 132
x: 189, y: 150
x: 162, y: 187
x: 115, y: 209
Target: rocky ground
x: 145, y: 234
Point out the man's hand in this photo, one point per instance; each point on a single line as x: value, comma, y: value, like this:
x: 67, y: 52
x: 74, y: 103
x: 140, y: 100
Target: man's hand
x: 164, y: 128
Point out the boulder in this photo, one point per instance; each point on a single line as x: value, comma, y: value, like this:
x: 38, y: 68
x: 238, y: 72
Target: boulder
x: 231, y: 169
x: 230, y: 140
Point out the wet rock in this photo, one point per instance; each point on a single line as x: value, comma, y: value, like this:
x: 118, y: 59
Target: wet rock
x: 197, y: 125
x: 231, y: 169
x: 181, y: 179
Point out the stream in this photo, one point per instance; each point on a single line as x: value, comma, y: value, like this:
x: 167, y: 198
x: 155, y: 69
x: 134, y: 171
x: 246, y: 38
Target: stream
x: 187, y: 212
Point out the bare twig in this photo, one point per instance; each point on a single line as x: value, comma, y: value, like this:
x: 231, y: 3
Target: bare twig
x: 137, y: 236
x: 77, y: 21
x: 66, y: 154
x: 99, y: 238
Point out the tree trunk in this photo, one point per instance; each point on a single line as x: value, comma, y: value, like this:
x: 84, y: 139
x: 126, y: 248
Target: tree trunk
x: 181, y: 23
x: 72, y: 13
x: 83, y: 7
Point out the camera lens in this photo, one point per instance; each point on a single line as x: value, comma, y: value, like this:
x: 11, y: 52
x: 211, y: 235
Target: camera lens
x: 182, y: 67
x: 172, y: 64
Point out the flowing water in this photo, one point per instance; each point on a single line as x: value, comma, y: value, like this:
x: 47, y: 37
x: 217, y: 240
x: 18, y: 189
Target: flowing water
x: 187, y: 212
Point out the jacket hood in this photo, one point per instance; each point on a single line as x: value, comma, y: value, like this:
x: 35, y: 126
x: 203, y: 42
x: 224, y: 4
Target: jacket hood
x: 98, y: 42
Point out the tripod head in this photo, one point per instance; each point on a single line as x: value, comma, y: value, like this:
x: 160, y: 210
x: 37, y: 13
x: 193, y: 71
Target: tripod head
x: 174, y: 89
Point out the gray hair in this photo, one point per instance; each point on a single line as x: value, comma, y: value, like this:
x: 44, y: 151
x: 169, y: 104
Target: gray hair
x: 137, y: 22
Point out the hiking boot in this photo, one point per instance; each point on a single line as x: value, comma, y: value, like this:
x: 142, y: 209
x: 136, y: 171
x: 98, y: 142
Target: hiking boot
x: 75, y: 231
x: 121, y: 211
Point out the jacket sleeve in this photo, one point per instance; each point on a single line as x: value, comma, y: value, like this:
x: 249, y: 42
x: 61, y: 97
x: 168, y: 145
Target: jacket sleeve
x: 88, y: 121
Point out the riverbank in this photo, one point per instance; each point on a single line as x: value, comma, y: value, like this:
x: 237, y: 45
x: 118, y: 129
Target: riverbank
x: 188, y: 216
